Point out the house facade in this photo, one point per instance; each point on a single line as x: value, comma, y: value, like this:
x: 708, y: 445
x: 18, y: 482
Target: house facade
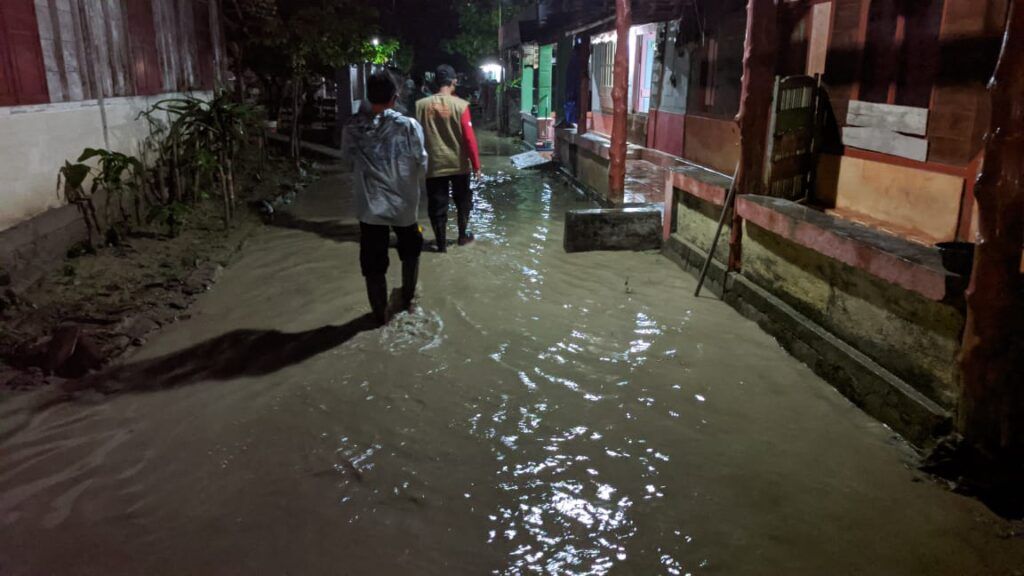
x: 875, y: 140
x: 76, y: 74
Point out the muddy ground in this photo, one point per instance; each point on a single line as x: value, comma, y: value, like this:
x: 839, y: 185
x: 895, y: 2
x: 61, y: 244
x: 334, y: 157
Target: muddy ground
x: 101, y: 303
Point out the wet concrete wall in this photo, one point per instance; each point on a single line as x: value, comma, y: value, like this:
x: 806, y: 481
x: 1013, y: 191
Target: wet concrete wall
x: 590, y: 170
x: 36, y: 140
x: 890, y: 349
x: 36, y: 228
x: 914, y: 337
x: 697, y: 220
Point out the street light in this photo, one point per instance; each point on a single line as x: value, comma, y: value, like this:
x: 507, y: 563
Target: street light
x: 492, y: 71
x: 375, y: 41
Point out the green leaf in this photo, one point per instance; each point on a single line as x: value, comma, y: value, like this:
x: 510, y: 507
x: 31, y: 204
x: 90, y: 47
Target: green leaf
x: 75, y: 174
x: 90, y: 153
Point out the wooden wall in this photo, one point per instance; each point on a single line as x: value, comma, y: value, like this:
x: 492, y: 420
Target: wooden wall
x: 948, y: 51
x: 22, y: 77
x: 717, y: 65
x: 72, y: 50
x: 712, y: 142
x: 971, y: 31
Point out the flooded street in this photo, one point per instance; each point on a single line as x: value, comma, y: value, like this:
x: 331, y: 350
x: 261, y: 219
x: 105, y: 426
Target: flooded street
x: 539, y: 413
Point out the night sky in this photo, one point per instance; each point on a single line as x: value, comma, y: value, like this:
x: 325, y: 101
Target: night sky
x: 424, y: 24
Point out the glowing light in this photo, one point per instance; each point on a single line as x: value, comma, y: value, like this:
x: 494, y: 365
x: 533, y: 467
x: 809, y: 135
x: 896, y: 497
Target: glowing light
x: 375, y: 41
x: 492, y: 71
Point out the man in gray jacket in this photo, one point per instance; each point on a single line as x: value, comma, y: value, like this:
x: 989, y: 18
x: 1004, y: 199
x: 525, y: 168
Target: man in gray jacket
x: 386, y: 151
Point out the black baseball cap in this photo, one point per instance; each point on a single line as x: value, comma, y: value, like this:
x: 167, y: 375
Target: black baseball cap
x: 445, y: 75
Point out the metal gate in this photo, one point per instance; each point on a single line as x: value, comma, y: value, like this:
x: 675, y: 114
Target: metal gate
x: 793, y: 137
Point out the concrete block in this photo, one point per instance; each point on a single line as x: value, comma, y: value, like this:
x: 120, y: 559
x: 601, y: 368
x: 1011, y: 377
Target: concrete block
x: 635, y: 228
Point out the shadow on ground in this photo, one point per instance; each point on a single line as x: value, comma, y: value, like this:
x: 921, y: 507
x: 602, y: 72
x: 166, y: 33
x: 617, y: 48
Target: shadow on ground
x: 238, y: 353
x: 997, y: 482
x: 329, y: 229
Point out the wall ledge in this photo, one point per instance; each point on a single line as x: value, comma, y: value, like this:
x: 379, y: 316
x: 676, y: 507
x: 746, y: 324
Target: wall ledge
x: 892, y: 259
x: 705, y: 184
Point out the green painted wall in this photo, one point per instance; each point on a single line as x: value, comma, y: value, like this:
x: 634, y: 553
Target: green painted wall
x: 544, y: 81
x: 560, y: 89
x: 526, y: 90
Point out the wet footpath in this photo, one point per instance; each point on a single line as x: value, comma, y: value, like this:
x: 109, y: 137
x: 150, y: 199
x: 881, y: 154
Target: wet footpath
x: 538, y: 413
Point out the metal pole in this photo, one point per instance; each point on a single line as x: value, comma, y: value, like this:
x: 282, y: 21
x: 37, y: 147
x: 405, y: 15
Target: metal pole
x: 718, y: 231
x: 501, y: 81
x: 97, y: 76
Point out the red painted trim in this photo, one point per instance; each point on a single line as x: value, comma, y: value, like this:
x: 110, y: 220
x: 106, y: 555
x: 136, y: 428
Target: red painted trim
x: 700, y: 189
x: 961, y: 171
x: 925, y: 281
x: 665, y: 131
x: 652, y: 127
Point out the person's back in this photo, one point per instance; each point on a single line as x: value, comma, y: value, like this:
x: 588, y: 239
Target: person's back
x: 441, y: 116
x: 389, y: 161
x: 386, y: 151
x: 451, y: 145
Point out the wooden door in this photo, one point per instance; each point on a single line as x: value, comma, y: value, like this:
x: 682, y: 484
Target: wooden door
x: 643, y: 69
x: 792, y: 137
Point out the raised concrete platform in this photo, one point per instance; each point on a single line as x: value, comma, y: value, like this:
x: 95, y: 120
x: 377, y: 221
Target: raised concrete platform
x: 889, y: 258
x: 630, y: 228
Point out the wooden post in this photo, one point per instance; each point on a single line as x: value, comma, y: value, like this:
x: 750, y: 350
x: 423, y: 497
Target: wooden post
x: 620, y: 86
x: 755, y: 109
x: 991, y: 408
x: 584, y: 97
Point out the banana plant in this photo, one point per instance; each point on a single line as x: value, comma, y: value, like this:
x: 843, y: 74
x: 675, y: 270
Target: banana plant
x: 71, y: 188
x: 118, y: 175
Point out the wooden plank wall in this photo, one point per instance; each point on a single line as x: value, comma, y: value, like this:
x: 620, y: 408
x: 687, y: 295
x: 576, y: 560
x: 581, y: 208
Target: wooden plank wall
x: 128, y: 47
x: 947, y: 75
x: 22, y: 77
x: 843, y: 64
x: 959, y: 104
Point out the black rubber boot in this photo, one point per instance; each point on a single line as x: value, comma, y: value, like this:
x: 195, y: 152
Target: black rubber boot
x: 440, y: 226
x: 464, y: 236
x: 377, y: 292
x: 410, y: 274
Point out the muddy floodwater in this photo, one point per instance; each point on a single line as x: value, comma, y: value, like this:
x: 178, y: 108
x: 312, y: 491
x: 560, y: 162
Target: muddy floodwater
x: 539, y: 413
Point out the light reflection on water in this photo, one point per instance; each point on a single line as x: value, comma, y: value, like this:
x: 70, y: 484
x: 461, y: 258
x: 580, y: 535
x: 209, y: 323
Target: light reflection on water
x: 565, y: 508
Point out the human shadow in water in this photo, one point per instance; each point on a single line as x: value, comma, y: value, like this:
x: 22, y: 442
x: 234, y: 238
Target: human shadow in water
x: 337, y: 230
x: 330, y: 229
x: 236, y: 354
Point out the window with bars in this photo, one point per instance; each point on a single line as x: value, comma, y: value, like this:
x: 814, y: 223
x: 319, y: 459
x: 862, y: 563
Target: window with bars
x: 604, y: 63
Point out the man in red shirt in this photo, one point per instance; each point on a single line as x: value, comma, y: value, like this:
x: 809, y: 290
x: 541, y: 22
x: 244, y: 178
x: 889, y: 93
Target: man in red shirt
x: 451, y: 146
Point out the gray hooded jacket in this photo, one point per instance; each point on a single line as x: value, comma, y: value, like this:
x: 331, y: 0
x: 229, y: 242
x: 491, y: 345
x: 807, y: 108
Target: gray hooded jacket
x: 390, y: 164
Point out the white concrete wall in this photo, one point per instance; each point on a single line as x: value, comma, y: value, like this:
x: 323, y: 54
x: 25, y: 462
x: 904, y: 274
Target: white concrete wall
x: 36, y: 140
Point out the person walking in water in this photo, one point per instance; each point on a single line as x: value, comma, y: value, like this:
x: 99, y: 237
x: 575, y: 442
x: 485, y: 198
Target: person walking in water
x: 451, y: 145
x: 389, y: 160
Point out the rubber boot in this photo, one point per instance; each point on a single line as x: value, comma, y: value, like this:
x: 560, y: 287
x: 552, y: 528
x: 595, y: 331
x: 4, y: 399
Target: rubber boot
x: 464, y: 236
x: 377, y: 292
x: 440, y: 226
x: 410, y: 274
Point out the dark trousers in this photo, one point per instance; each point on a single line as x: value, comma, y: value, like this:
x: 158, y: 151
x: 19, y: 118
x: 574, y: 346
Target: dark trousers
x: 374, y: 240
x: 437, y: 200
